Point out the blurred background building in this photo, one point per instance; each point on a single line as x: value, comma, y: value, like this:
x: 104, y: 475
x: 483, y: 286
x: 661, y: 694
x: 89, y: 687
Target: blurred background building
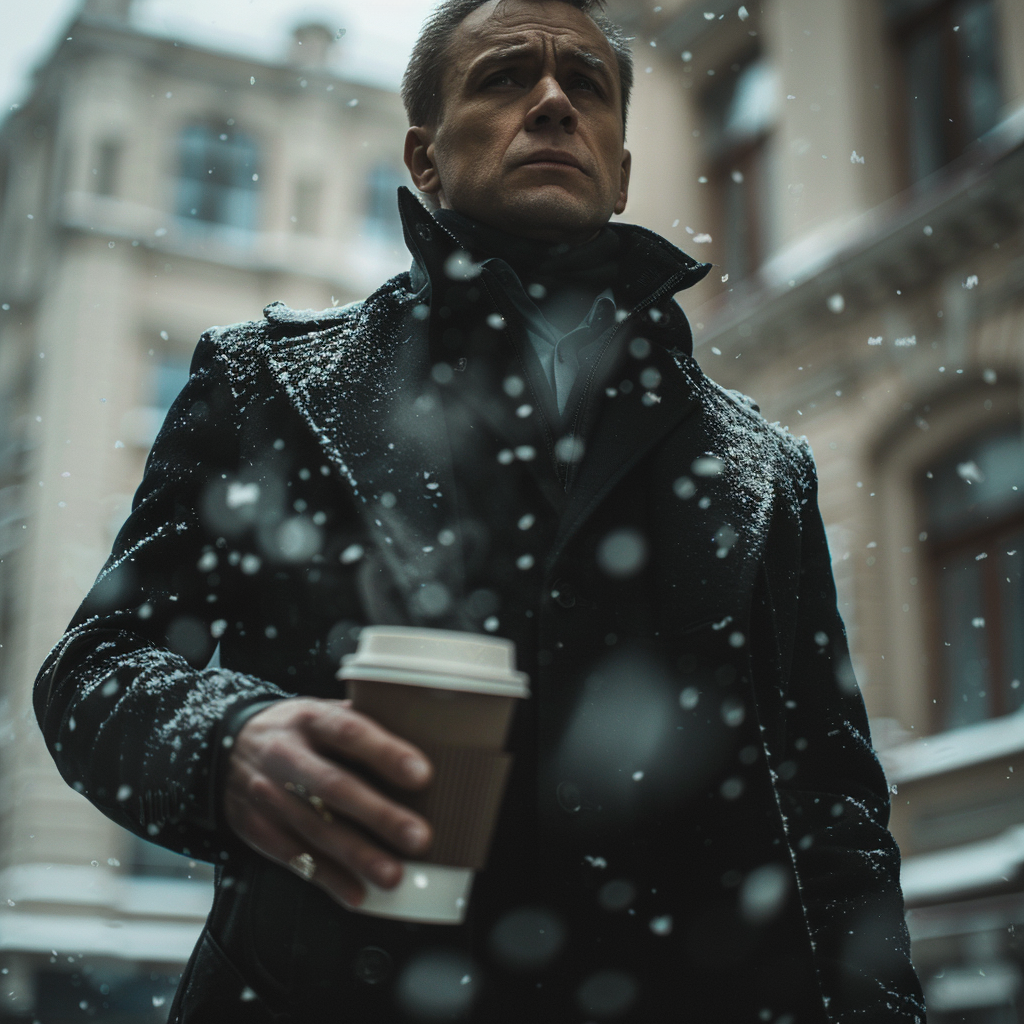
x: 854, y: 168
x: 148, y: 189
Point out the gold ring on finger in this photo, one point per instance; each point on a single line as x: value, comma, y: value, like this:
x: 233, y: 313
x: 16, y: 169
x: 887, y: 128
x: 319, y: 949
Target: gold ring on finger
x: 310, y: 798
x: 318, y: 805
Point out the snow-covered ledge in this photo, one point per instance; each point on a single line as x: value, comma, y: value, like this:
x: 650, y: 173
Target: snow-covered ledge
x: 958, y: 748
x: 964, y: 870
x: 99, y: 889
x: 77, y: 909
x: 164, y: 942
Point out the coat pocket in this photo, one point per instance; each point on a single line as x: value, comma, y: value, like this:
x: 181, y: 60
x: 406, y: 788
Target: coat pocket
x: 214, y: 991
x: 272, y: 899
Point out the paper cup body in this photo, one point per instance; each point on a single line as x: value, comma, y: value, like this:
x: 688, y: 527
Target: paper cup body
x: 453, y: 694
x: 429, y: 893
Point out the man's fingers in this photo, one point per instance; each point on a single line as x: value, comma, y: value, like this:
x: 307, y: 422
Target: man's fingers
x: 283, y: 778
x: 294, y: 853
x: 338, y: 729
x: 337, y: 841
x: 302, y: 779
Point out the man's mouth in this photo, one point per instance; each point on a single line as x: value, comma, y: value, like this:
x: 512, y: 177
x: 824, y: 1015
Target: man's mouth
x: 553, y: 157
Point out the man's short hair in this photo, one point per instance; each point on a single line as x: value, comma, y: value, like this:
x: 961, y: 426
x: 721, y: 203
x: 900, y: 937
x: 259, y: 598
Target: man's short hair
x: 422, y: 84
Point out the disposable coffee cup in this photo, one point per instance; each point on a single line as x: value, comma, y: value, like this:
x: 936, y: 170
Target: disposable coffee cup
x: 453, y: 695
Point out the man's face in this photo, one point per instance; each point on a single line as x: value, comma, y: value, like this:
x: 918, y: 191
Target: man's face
x: 531, y: 136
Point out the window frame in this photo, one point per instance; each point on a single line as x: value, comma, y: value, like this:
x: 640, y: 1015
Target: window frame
x: 957, y: 138
x: 897, y: 640
x: 989, y: 536
x: 213, y: 129
x: 747, y: 154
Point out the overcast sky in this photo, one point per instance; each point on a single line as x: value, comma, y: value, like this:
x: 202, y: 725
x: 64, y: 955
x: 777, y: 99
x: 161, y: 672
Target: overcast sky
x: 378, y: 33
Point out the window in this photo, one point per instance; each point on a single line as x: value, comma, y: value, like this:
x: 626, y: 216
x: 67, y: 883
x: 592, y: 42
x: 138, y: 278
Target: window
x: 170, y: 375
x: 152, y: 861
x: 140, y: 424
x: 218, y: 177
x: 974, y: 509
x: 382, y: 219
x: 739, y: 110
x: 951, y: 77
x: 108, y: 157
x: 306, y: 215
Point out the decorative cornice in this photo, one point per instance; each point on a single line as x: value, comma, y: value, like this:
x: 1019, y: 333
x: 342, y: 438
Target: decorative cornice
x: 679, y: 32
x: 905, y: 243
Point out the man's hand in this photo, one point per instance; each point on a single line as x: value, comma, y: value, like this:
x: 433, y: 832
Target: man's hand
x: 288, y: 799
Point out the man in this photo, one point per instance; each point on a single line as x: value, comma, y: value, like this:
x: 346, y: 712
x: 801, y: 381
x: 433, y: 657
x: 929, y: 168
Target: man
x: 512, y: 438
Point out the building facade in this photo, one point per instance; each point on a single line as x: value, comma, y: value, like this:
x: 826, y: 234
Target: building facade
x: 148, y: 189
x: 855, y: 168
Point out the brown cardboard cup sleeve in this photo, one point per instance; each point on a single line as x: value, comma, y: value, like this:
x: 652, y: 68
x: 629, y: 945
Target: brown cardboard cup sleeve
x: 461, y: 803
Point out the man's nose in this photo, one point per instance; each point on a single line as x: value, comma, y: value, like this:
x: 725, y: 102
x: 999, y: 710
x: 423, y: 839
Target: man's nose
x: 552, y: 107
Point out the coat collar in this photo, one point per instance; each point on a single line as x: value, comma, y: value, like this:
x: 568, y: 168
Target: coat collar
x: 360, y: 377
x: 653, y: 261
x: 658, y: 270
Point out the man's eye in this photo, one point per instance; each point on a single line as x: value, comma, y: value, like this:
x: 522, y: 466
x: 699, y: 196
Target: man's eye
x: 581, y: 81
x: 501, y: 78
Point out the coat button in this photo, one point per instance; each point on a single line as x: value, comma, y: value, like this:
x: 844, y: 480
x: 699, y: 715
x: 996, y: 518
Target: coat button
x: 563, y: 594
x: 372, y: 965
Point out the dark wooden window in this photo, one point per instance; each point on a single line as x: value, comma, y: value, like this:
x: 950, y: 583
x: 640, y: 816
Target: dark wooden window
x: 739, y: 110
x: 950, y: 69
x: 974, y: 509
x: 218, y: 180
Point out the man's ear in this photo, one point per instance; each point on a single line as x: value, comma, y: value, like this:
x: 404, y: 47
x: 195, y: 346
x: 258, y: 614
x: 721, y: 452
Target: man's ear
x: 419, y: 158
x: 627, y: 163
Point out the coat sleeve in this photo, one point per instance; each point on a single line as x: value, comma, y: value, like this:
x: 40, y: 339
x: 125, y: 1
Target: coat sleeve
x: 835, y: 803
x: 133, y: 719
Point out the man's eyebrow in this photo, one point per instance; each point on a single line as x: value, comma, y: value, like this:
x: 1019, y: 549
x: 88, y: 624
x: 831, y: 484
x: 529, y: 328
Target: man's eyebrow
x: 587, y: 59
x: 499, y: 55
x: 516, y: 52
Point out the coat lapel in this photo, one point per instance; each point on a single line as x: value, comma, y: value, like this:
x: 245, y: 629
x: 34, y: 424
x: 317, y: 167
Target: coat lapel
x: 531, y: 430
x: 626, y: 428
x: 359, y: 381
x: 715, y: 447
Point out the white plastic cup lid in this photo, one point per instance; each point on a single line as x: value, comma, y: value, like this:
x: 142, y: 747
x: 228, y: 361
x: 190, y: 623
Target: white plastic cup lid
x: 437, y: 657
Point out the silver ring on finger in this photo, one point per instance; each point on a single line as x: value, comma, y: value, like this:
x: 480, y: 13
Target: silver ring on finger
x: 304, y: 865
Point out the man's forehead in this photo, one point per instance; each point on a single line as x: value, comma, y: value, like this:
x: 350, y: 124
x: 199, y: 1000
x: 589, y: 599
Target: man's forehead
x: 521, y: 23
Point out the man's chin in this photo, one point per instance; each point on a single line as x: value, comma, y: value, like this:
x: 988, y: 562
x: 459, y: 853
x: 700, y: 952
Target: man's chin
x: 546, y: 214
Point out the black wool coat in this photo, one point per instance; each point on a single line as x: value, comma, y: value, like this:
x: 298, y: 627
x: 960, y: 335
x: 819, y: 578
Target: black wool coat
x: 695, y: 828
